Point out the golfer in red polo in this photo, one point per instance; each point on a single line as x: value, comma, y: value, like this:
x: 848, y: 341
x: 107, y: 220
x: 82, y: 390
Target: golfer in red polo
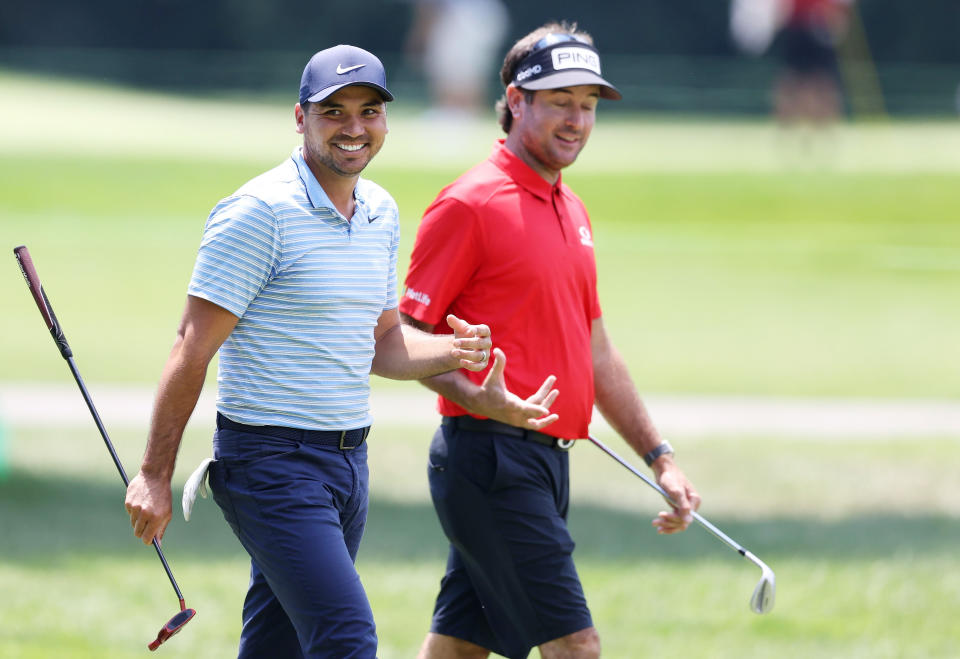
x: 510, y: 243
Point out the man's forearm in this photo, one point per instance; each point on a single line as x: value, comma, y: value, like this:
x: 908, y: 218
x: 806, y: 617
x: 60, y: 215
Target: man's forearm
x: 177, y: 395
x: 455, y: 387
x: 407, y: 353
x: 618, y: 401
x: 203, y: 329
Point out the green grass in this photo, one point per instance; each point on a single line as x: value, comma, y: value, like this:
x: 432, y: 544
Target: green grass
x: 728, y: 283
x: 862, y: 542
x: 865, y: 609
x: 726, y: 266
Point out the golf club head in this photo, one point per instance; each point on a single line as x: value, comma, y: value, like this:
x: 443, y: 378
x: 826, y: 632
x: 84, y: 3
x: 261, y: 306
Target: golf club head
x: 765, y: 593
x: 174, y: 625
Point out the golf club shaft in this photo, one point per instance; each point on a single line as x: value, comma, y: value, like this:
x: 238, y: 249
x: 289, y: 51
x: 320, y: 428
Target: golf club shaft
x: 96, y: 419
x: 649, y: 481
x: 29, y: 272
x: 123, y: 473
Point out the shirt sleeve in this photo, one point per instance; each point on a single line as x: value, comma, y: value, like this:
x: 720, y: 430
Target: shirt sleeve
x: 594, y: 293
x: 239, y: 253
x: 446, y: 253
x: 392, y: 298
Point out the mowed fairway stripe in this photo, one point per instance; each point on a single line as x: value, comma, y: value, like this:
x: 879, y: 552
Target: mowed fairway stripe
x: 33, y: 405
x: 113, y: 118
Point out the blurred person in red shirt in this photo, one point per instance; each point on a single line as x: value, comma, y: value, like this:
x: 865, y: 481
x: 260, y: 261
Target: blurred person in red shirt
x: 805, y: 36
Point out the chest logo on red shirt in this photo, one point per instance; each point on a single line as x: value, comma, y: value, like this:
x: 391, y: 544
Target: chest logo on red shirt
x: 585, y: 237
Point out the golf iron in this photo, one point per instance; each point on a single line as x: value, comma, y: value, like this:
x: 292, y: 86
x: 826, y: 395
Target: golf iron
x: 40, y: 297
x: 765, y: 591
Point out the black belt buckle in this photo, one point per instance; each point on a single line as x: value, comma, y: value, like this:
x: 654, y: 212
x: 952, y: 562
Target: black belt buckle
x: 563, y: 444
x: 343, y: 437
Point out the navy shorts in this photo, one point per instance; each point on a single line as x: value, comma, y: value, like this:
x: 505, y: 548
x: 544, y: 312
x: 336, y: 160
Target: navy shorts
x: 510, y: 583
x: 299, y: 510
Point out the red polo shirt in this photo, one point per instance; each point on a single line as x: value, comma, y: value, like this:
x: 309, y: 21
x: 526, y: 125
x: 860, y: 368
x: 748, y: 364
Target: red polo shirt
x: 502, y: 246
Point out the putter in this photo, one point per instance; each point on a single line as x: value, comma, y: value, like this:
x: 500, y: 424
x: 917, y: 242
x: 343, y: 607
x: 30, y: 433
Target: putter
x: 40, y: 297
x: 763, y: 595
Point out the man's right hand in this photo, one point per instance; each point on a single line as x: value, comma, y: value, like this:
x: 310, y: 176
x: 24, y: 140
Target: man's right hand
x: 149, y: 505
x: 495, y: 401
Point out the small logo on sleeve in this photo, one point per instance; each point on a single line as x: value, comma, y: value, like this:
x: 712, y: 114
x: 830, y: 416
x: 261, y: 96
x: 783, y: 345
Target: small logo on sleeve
x: 417, y: 296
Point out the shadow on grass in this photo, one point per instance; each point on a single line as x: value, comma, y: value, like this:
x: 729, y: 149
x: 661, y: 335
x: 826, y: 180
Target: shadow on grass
x: 48, y: 518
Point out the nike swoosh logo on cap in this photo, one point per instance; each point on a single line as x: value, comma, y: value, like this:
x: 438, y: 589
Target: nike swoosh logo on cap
x: 341, y: 70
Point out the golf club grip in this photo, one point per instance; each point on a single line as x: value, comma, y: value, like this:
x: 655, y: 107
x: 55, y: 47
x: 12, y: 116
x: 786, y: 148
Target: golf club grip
x: 30, y: 275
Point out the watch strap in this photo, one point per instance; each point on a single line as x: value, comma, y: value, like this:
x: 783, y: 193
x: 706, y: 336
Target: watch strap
x: 663, y: 449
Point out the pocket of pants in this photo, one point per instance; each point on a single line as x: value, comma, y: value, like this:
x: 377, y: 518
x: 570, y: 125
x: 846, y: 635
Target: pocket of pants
x: 247, y: 450
x: 476, y: 459
x: 278, y: 469
x: 437, y: 456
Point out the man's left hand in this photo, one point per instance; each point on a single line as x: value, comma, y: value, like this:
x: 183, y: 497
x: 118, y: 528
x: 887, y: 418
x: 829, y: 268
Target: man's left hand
x: 471, y: 343
x: 682, y: 493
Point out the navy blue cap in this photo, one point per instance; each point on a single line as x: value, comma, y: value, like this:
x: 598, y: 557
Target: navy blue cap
x: 338, y: 67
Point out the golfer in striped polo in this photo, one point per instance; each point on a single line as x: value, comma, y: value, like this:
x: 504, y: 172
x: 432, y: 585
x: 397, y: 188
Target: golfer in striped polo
x: 295, y: 285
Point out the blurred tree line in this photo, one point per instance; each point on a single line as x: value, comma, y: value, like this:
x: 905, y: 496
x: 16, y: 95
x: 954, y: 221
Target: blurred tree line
x: 675, y: 47
x: 927, y: 31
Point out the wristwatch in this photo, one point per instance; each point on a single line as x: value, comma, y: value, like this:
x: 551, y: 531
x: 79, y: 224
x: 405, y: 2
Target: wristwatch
x: 663, y: 449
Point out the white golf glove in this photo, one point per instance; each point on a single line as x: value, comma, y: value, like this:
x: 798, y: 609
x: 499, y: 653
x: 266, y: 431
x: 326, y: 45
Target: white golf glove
x: 196, y: 483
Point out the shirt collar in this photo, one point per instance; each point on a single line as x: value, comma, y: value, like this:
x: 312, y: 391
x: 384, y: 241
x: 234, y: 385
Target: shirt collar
x: 316, y: 194
x: 522, y: 173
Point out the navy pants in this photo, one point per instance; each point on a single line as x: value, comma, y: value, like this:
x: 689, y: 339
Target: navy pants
x: 299, y: 510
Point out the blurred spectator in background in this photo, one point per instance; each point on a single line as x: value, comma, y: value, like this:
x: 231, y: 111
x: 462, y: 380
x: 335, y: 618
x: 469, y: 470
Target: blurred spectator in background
x: 805, y: 34
x: 454, y: 42
x: 809, y: 86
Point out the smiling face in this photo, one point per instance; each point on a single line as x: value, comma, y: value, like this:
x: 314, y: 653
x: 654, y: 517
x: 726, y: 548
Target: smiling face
x: 551, y: 128
x: 342, y: 133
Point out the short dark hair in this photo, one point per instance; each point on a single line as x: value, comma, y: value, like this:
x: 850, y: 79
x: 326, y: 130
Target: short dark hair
x: 519, y: 50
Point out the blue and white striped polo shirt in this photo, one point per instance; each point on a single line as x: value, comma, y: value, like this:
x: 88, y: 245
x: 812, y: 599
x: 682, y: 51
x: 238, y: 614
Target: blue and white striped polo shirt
x: 308, y: 287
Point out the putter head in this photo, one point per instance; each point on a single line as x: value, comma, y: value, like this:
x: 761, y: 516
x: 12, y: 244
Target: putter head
x: 174, y: 625
x: 765, y: 593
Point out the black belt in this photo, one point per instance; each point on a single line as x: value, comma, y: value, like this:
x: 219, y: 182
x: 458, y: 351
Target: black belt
x: 466, y: 422
x: 342, y: 439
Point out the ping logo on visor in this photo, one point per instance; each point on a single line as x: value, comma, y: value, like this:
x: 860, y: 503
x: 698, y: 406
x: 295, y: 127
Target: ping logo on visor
x: 562, y: 60
x: 575, y: 57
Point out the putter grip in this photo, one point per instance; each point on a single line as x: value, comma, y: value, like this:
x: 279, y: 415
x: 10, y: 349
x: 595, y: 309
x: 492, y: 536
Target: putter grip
x: 40, y: 297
